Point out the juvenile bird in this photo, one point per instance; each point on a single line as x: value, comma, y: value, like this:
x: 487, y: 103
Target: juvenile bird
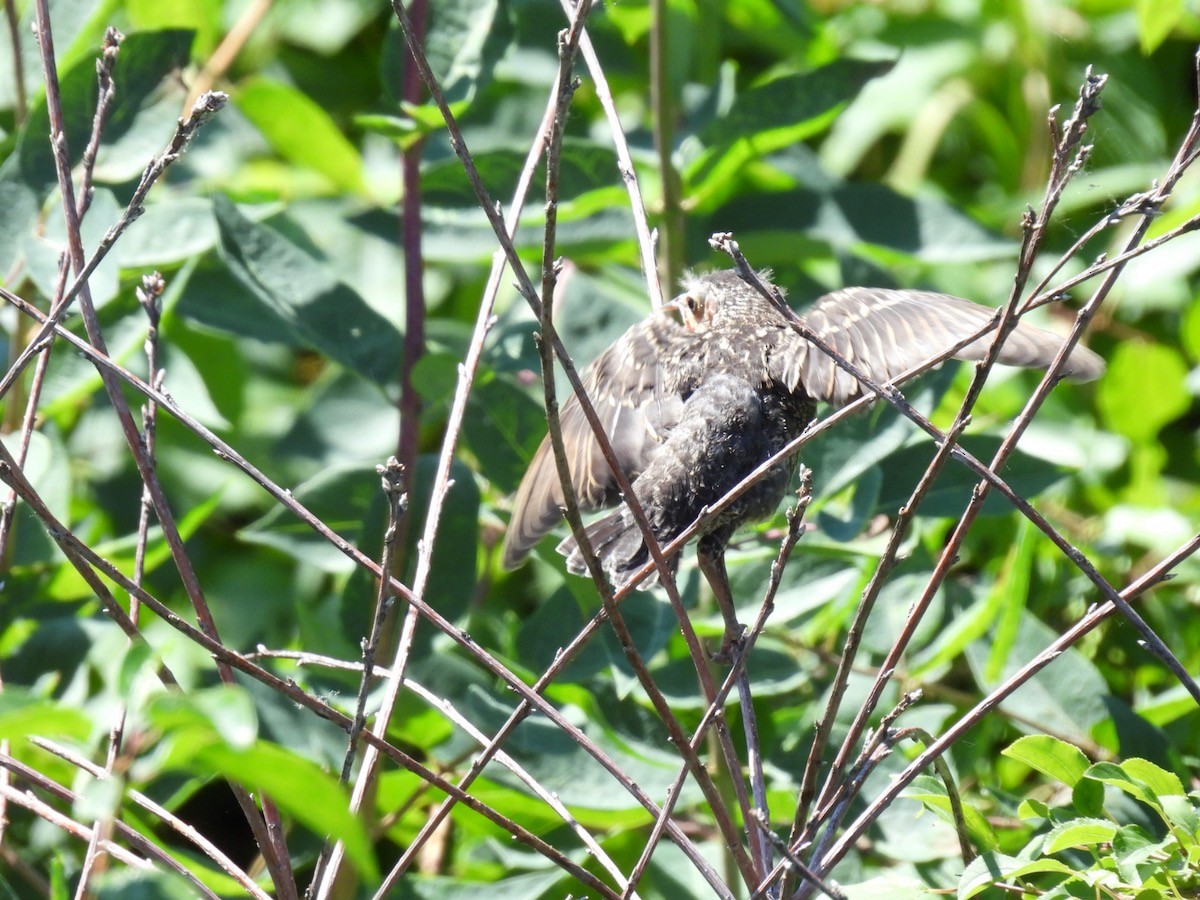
x: 696, y: 396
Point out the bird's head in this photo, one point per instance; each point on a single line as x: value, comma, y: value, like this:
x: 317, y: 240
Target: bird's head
x: 714, y: 298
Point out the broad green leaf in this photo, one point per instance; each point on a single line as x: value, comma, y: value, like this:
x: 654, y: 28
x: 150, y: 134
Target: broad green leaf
x: 1068, y: 697
x: 22, y: 715
x: 1124, y: 402
x: 299, y: 289
x: 463, y: 42
x: 67, y: 584
x: 201, y: 16
x: 1082, y: 832
x: 339, y: 497
x: 145, y: 59
x: 48, y: 469
x: 168, y: 232
x: 1159, y: 780
x: 773, y: 115
x: 931, y: 791
x: 803, y: 99
x: 503, y: 428
x: 1156, y: 19
x: 1012, y: 588
x: 324, y: 26
x: 209, y: 738
x: 847, y: 215
x: 28, y: 175
x: 1180, y: 813
x: 990, y: 868
x: 1115, y: 775
x: 301, y: 131
x: 951, y: 491
x: 584, y: 167
x: 158, y: 884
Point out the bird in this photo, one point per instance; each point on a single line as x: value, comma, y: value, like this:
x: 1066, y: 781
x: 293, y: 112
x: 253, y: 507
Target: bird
x: 701, y: 392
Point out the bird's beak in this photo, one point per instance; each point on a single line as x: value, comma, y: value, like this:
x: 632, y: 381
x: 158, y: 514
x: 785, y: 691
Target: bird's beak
x: 682, y: 311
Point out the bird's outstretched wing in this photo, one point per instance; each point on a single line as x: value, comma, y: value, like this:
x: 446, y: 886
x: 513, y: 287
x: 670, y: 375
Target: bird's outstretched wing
x: 638, y: 401
x: 884, y: 333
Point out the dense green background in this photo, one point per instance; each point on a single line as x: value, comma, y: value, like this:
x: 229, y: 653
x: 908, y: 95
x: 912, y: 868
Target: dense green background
x: 891, y: 144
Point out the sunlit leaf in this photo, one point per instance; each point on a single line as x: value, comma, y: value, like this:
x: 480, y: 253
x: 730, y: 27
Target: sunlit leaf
x: 301, y: 131
x: 299, y: 289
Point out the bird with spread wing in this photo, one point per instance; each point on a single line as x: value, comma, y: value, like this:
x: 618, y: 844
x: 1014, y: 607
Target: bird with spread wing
x: 697, y: 395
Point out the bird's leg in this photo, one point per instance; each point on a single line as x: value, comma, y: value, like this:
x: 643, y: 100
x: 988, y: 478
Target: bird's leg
x: 710, y: 556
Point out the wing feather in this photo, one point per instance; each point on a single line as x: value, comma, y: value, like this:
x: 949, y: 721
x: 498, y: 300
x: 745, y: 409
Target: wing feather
x: 887, y: 332
x: 636, y: 399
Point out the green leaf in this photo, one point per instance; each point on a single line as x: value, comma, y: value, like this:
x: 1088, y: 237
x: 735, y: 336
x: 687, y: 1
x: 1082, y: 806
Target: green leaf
x: 990, y: 868
x: 301, y: 131
x: 1115, y: 775
x: 145, y: 59
x: 1159, y: 780
x: 1069, y: 696
x: 1013, y: 590
x: 583, y: 167
x: 299, y: 289
x: 463, y: 42
x: 22, y: 714
x: 804, y: 99
x: 340, y: 497
x: 28, y: 175
x: 774, y: 115
x: 1027, y: 475
x: 1156, y: 19
x: 846, y: 216
x: 68, y: 584
x: 211, y: 733
x: 1081, y: 832
x: 1125, y: 403
x: 1054, y: 758
x: 169, y: 231
x: 931, y: 792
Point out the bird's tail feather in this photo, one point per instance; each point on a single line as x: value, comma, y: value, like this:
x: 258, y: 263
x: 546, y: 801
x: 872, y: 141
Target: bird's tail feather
x: 617, y: 542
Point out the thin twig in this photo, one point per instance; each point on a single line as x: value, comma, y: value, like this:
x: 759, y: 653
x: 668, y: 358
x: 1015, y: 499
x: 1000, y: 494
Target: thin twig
x: 178, y: 825
x: 392, y: 479
x: 105, y: 93
x: 646, y: 249
x: 716, y: 707
x: 899, y: 782
x: 794, y: 862
x: 14, y: 38
x: 527, y: 290
x: 226, y: 657
x: 268, y: 833
x: 68, y: 542
x: 662, y: 115
x: 966, y: 852
x: 841, y: 679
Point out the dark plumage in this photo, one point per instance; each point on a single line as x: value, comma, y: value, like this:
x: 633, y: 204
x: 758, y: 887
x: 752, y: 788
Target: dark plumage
x: 693, y: 404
